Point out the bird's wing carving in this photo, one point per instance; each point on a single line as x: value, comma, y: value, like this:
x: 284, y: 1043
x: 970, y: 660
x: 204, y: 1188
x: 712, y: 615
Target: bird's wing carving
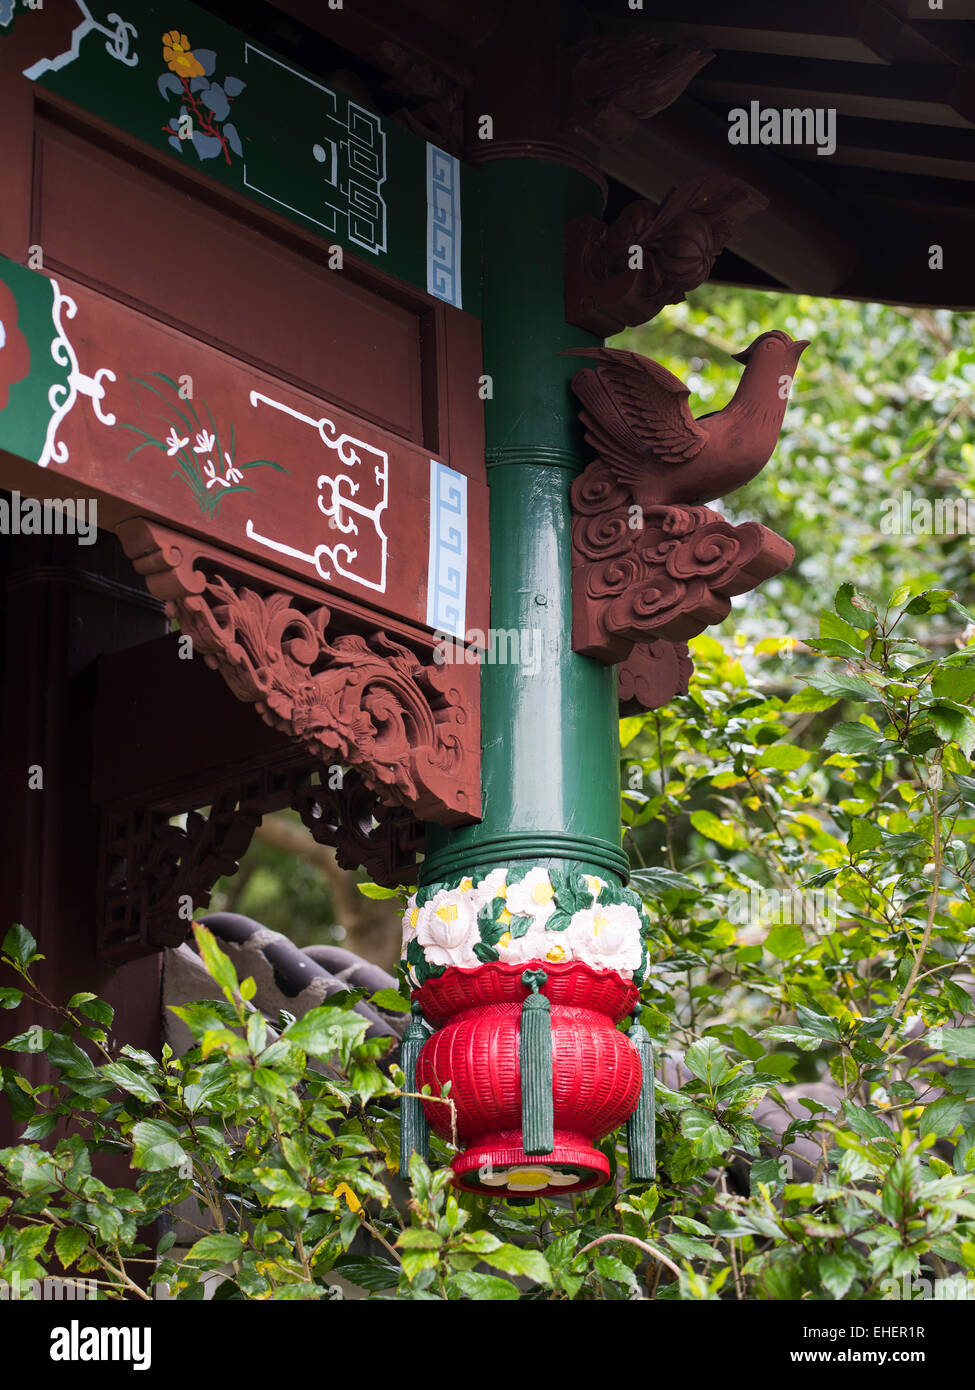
x: 635, y: 413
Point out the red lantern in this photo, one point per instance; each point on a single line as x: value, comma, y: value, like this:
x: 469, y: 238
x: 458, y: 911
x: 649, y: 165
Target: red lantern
x: 596, y: 1073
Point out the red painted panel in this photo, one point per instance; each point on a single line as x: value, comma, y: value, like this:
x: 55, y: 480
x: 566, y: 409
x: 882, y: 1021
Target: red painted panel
x: 142, y: 238
x: 248, y: 462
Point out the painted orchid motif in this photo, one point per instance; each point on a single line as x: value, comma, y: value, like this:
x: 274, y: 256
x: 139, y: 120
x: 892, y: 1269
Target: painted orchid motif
x: 14, y: 349
x: 197, y: 466
x: 174, y: 443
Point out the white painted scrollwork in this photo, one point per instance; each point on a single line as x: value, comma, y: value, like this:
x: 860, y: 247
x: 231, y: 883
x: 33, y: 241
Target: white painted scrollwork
x: 336, y: 500
x: 63, y: 395
x: 119, y: 39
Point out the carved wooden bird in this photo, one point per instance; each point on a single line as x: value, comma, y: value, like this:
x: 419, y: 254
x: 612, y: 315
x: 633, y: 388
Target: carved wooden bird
x: 636, y: 417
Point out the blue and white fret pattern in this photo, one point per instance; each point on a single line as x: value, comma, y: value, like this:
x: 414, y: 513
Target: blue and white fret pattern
x: 447, y: 578
x: 443, y: 226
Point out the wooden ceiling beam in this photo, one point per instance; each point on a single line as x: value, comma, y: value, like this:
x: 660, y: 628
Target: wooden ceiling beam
x: 804, y: 236
x: 859, y: 31
x: 924, y: 93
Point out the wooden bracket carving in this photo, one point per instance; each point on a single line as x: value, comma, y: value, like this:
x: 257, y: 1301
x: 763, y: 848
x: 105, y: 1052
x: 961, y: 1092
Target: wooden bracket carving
x: 384, y: 840
x: 622, y: 275
x: 653, y: 674
x: 615, y: 81
x: 155, y: 876
x: 323, y: 674
x: 437, y: 112
x: 651, y: 565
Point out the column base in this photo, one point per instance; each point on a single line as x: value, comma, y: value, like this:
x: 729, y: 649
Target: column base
x: 498, y: 1164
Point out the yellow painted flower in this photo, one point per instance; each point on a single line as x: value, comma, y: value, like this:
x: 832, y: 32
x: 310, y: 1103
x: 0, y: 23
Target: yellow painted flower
x: 556, y: 954
x: 505, y: 941
x: 504, y: 917
x: 594, y: 884
x: 179, y: 57
x: 414, y: 917
x: 447, y: 912
x: 465, y: 885
x: 542, y: 893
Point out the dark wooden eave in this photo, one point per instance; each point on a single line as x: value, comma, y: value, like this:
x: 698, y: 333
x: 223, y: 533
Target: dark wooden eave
x: 858, y: 223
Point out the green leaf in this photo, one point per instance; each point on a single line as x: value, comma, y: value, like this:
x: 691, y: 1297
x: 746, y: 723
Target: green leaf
x: 941, y: 1117
x: 837, y: 1273
x: 956, y: 1042
x: 68, y: 1244
x: 391, y: 1000
x: 369, y: 1273
x: 708, y: 1061
x: 323, y: 1031
x: 865, y: 1122
x: 20, y: 946
x: 864, y: 836
x: 514, y: 1260
x: 157, y: 1146
x: 130, y: 1080
x: 844, y: 687
x: 216, y: 1249
x: 482, y: 1287
x: 722, y: 831
x: 218, y: 965
x: 784, y: 756
x: 707, y: 1137
x: 854, y: 609
x: 94, y: 1007
x: 784, y: 941
x: 852, y: 738
x: 953, y: 724
x: 10, y: 998
x: 373, y: 890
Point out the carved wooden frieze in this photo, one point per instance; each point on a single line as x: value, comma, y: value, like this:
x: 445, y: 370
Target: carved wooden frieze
x: 322, y: 675
x: 651, y: 564
x: 155, y: 876
x: 622, y: 274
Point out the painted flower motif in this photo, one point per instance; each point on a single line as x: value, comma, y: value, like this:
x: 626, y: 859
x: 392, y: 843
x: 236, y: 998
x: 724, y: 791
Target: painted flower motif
x: 14, y: 351
x: 179, y: 57
x: 211, y: 474
x: 533, y: 897
x: 606, y: 936
x: 174, y: 443
x: 531, y: 1177
x: 204, y: 443
x: 447, y: 928
x: 233, y: 474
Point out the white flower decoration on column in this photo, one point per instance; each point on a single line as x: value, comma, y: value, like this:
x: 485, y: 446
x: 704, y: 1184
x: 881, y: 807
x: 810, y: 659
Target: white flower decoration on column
x: 533, y: 897
x: 606, y: 936
x: 447, y: 927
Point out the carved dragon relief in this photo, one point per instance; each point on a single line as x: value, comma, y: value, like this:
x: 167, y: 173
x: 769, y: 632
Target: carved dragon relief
x: 622, y: 275
x: 346, y: 692
x: 652, y: 565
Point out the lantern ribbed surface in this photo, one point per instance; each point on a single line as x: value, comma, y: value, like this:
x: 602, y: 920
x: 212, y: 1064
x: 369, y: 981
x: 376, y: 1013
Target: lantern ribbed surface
x: 596, y: 1070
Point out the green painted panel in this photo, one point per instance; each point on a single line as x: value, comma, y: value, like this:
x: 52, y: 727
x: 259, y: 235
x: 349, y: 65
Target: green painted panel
x: 198, y: 89
x: 34, y: 364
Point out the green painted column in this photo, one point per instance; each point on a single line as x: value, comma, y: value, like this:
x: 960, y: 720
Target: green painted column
x: 549, y: 727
